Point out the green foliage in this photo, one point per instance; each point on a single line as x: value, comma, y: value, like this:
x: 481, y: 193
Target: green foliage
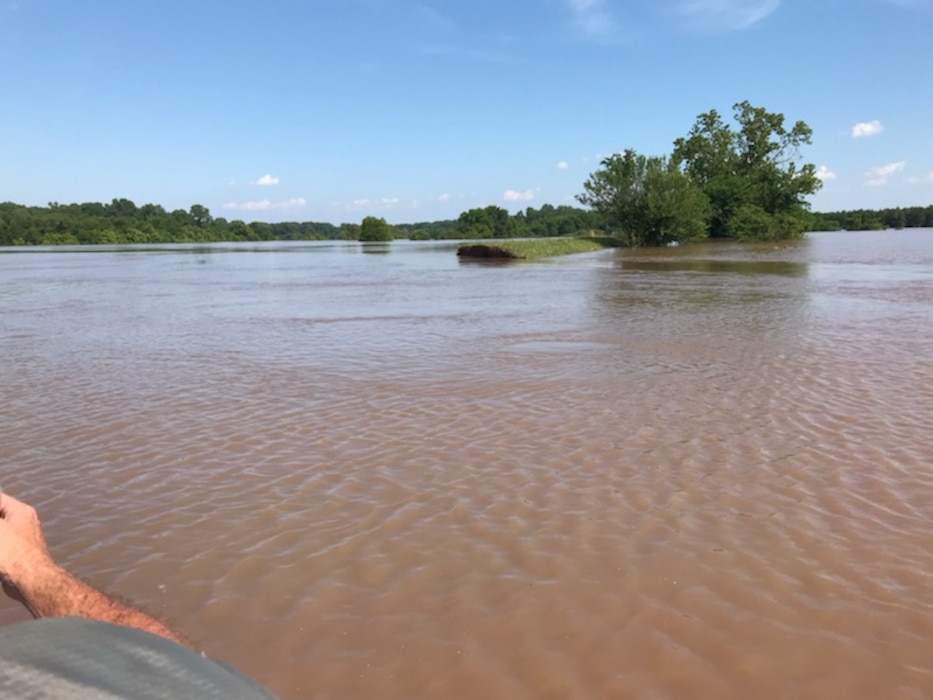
x: 750, y: 175
x: 533, y: 248
x: 200, y: 216
x: 867, y: 220
x: 491, y: 222
x: 375, y: 229
x: 433, y: 230
x: 551, y: 247
x: 558, y: 221
x: 350, y: 232
x: 720, y: 181
x: 752, y: 223
x: 122, y: 221
x: 549, y: 221
x: 646, y: 201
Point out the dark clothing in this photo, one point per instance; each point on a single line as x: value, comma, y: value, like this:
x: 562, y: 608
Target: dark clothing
x: 79, y: 659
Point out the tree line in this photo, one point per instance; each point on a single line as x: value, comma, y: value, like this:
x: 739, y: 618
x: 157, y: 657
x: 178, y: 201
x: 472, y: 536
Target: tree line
x: 743, y: 181
x: 123, y: 222
x: 869, y: 220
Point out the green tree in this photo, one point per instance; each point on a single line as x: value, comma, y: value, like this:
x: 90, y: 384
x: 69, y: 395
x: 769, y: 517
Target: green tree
x: 750, y: 174
x: 646, y: 200
x: 474, y: 223
x: 200, y: 215
x: 489, y: 222
x: 375, y: 229
x: 350, y: 232
x: 121, y: 207
x: 238, y: 230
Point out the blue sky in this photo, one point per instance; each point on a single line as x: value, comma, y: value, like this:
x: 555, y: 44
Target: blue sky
x: 416, y: 110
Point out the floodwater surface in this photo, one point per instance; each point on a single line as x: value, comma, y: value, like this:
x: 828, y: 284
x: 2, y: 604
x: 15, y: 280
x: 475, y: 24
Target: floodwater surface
x: 681, y: 473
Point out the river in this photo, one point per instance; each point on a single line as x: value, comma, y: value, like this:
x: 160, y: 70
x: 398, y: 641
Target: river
x: 380, y: 472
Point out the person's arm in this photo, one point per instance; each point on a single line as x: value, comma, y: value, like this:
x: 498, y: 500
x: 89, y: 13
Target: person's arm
x: 29, y: 576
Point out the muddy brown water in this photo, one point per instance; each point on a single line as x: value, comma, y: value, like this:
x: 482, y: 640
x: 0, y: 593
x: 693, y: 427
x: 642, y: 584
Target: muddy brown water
x: 688, y: 473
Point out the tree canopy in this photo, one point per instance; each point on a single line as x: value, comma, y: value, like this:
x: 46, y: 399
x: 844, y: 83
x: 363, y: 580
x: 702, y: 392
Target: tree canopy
x: 742, y: 180
x: 375, y: 229
x: 646, y: 200
x: 122, y: 221
x: 719, y: 181
x: 872, y: 220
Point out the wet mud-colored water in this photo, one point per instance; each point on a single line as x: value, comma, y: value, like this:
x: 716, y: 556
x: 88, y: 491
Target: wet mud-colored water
x: 694, y: 472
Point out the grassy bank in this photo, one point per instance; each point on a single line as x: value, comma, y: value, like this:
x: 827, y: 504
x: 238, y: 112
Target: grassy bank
x: 531, y: 249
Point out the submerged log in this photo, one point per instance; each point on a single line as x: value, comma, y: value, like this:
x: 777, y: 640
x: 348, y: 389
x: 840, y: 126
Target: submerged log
x: 486, y: 251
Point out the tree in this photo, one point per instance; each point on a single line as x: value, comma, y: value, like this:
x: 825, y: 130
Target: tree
x: 646, y: 200
x: 474, y: 223
x: 122, y: 207
x: 375, y: 229
x: 489, y: 222
x: 200, y: 215
x: 350, y: 232
x: 750, y: 175
x: 239, y: 231
x: 261, y: 231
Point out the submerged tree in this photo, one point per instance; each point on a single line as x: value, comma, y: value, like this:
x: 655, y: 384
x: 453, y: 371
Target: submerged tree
x: 750, y: 175
x: 742, y: 183
x: 375, y: 229
x: 646, y: 200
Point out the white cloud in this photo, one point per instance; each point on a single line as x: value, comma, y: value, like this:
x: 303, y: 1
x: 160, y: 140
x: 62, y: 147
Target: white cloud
x: 726, y: 15
x: 516, y: 196
x: 563, y: 165
x: 265, y: 204
x: 863, y: 129
x: 260, y: 205
x: 367, y: 203
x: 825, y: 174
x: 876, y: 177
x: 266, y: 180
x: 926, y: 179
x: 592, y: 17
x: 293, y: 203
x: 444, y: 197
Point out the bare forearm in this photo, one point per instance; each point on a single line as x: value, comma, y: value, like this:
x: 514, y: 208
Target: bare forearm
x: 53, y: 592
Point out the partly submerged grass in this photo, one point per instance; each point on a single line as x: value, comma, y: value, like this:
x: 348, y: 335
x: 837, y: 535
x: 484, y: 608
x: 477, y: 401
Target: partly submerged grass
x: 529, y: 249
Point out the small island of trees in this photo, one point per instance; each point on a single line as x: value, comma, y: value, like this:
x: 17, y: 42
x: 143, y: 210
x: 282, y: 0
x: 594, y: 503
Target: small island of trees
x: 719, y: 181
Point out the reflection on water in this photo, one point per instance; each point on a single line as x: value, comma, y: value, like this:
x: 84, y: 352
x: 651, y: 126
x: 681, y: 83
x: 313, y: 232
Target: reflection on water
x: 737, y: 267
x: 692, y: 472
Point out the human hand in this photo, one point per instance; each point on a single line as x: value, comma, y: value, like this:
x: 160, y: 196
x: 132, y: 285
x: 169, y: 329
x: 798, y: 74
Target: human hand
x: 23, y: 551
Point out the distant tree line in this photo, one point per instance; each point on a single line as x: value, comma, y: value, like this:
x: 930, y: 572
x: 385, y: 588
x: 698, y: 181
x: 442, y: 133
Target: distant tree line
x: 868, y: 220
x: 122, y: 221
x: 720, y: 181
